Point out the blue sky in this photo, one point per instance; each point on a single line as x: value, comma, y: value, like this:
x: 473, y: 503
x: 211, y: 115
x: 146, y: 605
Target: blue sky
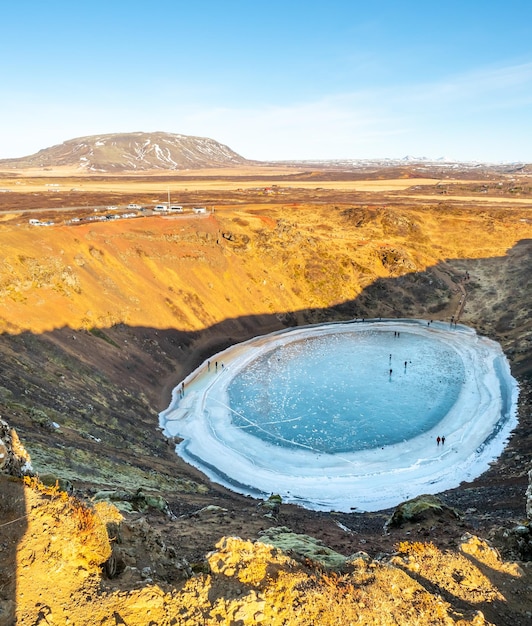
x: 290, y: 79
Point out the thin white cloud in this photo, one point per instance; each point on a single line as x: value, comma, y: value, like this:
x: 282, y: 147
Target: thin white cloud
x: 452, y: 116
x: 501, y: 84
x: 429, y: 119
x: 325, y: 128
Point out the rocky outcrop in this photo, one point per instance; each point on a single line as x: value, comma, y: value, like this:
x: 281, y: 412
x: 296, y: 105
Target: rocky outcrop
x: 302, y: 547
x: 14, y: 460
x: 133, y: 501
x: 421, y: 509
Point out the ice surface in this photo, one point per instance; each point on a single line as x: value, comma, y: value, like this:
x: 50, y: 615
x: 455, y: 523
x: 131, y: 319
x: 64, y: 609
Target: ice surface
x: 345, y: 416
x: 346, y: 391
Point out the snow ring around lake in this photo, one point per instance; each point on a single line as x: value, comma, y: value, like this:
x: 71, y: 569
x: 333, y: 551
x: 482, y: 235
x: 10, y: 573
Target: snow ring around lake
x: 478, y: 416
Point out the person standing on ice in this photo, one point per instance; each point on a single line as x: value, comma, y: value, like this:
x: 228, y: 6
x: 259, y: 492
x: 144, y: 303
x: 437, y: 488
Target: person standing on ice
x: 438, y: 440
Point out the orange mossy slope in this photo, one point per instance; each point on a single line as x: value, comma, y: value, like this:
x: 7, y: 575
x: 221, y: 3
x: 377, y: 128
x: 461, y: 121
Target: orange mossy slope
x: 191, y: 272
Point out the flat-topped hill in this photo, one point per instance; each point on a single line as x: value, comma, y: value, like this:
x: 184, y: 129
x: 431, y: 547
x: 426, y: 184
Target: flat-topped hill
x: 137, y: 152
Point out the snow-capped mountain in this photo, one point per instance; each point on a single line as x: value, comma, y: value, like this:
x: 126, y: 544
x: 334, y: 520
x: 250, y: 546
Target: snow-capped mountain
x: 132, y: 152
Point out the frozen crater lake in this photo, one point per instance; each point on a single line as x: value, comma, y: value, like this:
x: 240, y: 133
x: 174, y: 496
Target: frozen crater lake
x: 347, y: 416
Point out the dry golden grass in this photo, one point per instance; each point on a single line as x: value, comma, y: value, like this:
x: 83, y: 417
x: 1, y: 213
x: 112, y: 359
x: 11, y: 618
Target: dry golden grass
x: 120, y: 184
x: 475, y: 199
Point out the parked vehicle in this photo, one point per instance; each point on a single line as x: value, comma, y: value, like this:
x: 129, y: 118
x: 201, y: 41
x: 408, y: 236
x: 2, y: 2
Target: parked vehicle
x: 136, y: 207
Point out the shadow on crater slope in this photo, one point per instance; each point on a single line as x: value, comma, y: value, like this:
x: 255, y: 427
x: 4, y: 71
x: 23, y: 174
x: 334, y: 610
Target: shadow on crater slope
x: 86, y: 401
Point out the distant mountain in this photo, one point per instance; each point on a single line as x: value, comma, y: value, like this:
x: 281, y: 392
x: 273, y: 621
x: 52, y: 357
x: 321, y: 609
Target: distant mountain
x: 412, y: 167
x: 132, y: 152
x: 143, y: 152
